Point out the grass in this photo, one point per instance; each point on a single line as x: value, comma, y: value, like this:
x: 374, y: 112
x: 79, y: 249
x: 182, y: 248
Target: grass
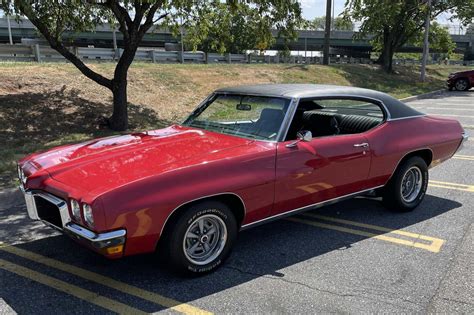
x: 45, y: 105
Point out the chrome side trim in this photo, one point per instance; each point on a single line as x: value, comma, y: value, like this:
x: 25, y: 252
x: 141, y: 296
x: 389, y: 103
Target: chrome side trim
x: 407, y: 117
x: 306, y: 208
x: 200, y: 198
x: 285, y: 125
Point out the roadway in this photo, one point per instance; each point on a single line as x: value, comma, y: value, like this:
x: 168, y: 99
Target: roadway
x: 353, y: 257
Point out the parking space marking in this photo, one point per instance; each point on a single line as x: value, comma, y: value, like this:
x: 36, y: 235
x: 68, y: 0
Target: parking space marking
x: 462, y: 187
x: 70, y: 289
x: 463, y: 157
x: 434, y: 244
x: 106, y: 281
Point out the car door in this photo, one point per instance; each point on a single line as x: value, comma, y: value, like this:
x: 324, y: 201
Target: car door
x: 321, y: 169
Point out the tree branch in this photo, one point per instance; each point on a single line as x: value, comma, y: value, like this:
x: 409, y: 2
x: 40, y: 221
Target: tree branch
x: 149, y: 18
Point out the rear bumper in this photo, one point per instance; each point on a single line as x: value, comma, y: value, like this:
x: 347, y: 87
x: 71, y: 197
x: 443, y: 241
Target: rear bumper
x: 465, y: 137
x: 109, y: 244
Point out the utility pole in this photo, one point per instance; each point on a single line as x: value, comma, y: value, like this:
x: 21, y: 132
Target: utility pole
x: 333, y: 16
x: 9, y: 30
x: 305, y: 47
x: 426, y: 44
x: 181, y: 38
x: 327, y: 33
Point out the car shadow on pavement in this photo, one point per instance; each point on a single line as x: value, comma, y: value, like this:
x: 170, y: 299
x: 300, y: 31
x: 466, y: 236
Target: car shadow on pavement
x: 264, y: 251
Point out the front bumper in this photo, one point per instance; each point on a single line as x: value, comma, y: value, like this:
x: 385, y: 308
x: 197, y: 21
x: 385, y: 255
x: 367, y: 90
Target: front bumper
x: 56, y: 215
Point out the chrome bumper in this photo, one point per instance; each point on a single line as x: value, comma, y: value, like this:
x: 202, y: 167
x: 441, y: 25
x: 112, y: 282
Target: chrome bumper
x: 96, y: 240
x: 465, y: 137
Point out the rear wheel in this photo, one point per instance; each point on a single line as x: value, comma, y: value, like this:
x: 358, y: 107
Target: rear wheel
x: 202, y: 238
x: 407, y: 187
x: 461, y: 85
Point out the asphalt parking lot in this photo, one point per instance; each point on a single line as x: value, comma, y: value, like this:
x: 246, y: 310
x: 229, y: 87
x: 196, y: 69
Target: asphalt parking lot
x: 352, y: 257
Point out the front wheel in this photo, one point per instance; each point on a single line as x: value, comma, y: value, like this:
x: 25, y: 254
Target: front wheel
x: 407, y: 187
x: 461, y: 85
x: 202, y: 238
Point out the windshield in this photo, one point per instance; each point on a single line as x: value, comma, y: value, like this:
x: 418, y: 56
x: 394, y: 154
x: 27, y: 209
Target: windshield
x: 253, y: 117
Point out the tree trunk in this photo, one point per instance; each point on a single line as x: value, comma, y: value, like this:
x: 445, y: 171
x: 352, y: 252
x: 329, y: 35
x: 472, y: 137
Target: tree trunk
x: 119, y: 119
x: 387, y: 60
x: 386, y: 56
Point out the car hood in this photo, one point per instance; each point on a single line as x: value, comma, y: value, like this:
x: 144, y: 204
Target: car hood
x: 468, y: 72
x: 111, y: 162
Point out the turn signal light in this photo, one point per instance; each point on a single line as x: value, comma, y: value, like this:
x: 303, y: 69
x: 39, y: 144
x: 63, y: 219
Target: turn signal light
x: 114, y: 250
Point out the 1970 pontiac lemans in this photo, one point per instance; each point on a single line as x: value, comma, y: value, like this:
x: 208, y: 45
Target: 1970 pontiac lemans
x: 245, y: 156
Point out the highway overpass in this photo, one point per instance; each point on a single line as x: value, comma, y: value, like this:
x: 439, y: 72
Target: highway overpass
x: 342, y: 42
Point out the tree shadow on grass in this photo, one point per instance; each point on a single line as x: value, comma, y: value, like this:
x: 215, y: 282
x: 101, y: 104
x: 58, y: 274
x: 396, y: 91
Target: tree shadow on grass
x: 32, y: 122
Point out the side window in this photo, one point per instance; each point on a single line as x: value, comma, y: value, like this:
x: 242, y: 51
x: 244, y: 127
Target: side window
x: 335, y: 116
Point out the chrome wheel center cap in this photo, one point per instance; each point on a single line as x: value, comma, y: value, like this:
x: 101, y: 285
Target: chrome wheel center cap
x: 204, y: 239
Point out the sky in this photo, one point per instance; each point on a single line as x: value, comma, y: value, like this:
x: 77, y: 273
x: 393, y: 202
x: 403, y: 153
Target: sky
x: 314, y: 8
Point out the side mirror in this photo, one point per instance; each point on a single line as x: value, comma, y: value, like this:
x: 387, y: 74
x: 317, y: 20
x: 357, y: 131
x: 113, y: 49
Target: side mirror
x: 304, y: 135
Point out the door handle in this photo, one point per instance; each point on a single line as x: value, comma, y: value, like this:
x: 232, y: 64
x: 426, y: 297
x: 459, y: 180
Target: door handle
x: 361, y: 145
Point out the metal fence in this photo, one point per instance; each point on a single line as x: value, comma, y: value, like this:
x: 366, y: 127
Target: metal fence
x: 46, y: 54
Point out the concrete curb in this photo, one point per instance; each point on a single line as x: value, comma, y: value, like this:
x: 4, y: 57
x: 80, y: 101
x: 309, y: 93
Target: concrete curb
x: 422, y: 96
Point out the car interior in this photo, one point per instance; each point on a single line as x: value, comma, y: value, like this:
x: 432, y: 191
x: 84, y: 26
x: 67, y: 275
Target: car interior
x: 336, y: 118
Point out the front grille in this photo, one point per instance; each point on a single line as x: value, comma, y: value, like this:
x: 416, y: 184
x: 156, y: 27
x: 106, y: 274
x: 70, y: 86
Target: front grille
x: 48, y: 211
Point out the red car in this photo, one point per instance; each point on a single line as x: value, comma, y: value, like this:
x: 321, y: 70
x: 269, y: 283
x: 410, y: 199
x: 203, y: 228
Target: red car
x: 245, y: 156
x: 461, y: 81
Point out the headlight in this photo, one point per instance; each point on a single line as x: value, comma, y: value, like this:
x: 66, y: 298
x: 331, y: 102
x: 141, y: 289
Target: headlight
x: 88, y: 217
x: 76, y: 209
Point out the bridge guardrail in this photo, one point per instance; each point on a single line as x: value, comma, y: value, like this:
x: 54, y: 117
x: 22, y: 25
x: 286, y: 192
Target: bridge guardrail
x: 45, y: 53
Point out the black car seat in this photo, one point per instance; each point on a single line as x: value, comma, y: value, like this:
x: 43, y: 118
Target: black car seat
x: 269, y: 122
x: 321, y: 123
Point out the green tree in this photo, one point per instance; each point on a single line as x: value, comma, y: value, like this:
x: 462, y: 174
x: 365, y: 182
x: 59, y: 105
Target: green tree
x: 338, y: 24
x: 440, y: 39
x: 219, y: 29
x: 134, y: 18
x: 393, y: 23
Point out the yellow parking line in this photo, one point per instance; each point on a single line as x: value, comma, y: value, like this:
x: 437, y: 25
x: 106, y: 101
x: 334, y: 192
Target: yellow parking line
x: 73, y: 290
x: 463, y: 157
x: 106, y: 281
x: 434, y: 246
x: 462, y: 187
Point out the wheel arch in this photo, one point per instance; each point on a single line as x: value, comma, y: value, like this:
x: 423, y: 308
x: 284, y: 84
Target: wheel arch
x: 425, y: 153
x: 234, y: 201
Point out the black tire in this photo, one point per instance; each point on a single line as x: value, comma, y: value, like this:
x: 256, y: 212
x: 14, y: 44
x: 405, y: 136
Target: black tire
x: 394, y: 197
x: 212, y: 212
x: 461, y: 85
